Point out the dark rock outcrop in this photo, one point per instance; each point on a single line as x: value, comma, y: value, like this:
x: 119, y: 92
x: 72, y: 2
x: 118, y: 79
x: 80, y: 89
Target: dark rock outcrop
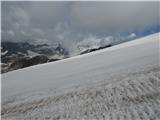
x: 94, y: 49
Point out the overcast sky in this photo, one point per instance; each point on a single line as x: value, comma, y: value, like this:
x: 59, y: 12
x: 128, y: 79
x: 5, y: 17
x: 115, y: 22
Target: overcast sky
x: 47, y: 22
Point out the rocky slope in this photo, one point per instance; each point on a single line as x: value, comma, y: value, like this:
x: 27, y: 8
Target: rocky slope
x: 20, y: 55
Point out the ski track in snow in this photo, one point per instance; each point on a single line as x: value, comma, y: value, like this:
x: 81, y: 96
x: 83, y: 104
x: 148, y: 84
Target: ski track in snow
x: 118, y: 83
x: 132, y: 97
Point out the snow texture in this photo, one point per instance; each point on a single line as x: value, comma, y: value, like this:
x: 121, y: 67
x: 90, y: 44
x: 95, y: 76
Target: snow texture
x: 116, y: 83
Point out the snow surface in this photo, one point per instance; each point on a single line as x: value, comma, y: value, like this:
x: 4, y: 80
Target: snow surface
x: 32, y: 54
x: 120, y: 82
x: 3, y: 53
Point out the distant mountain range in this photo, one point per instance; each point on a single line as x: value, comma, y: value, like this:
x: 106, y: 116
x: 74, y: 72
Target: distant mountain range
x: 16, y: 55
x: 23, y: 47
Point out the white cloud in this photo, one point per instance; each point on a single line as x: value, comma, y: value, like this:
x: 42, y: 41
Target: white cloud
x: 132, y: 35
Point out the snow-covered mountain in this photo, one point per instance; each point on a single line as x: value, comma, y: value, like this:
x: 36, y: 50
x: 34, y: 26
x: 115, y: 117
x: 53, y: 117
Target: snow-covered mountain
x: 27, y: 48
x: 16, y: 55
x: 120, y: 82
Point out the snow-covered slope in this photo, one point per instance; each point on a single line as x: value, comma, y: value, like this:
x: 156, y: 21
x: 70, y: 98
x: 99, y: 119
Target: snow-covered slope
x: 61, y: 89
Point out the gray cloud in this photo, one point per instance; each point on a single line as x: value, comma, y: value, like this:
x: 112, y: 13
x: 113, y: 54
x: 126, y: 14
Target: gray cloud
x: 71, y: 22
x: 112, y: 17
